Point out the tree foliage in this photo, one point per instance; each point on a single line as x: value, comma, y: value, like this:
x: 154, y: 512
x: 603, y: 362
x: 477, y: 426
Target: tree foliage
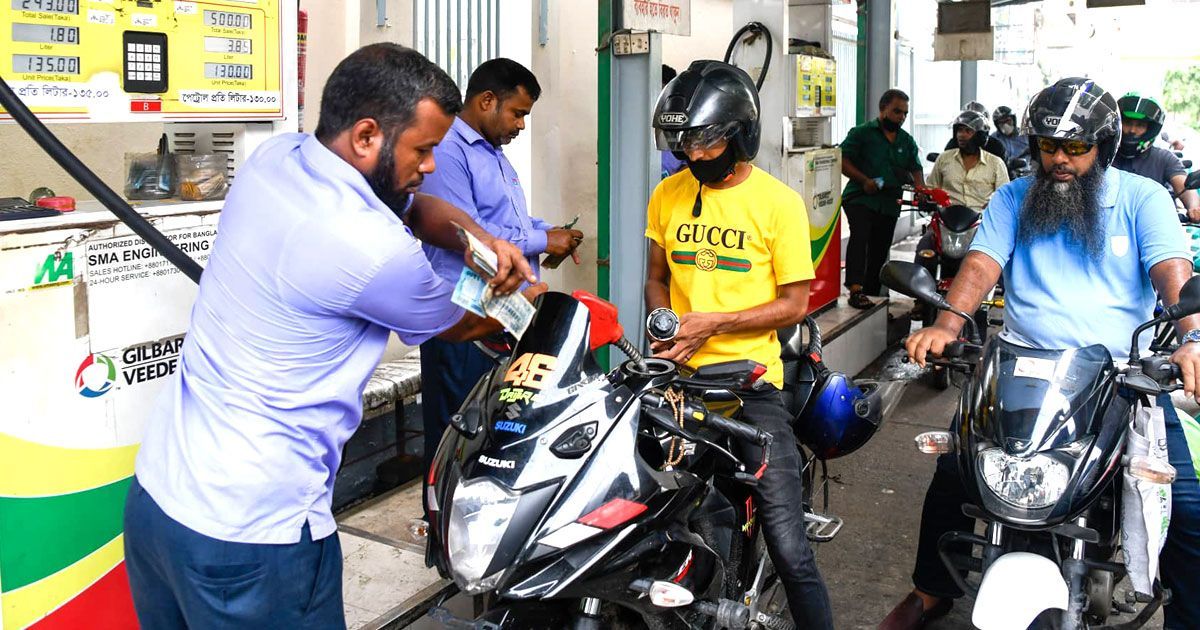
x: 1181, y: 95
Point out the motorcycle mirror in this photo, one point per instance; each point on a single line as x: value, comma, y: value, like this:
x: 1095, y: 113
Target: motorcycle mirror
x: 1187, y: 164
x: 1189, y: 301
x: 912, y: 280
x: 1019, y: 163
x: 1193, y: 181
x: 932, y: 157
x: 605, y: 327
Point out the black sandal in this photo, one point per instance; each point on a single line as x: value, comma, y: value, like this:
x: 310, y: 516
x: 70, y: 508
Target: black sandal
x: 859, y: 300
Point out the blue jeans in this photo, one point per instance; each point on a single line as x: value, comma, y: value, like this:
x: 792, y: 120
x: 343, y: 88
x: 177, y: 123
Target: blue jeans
x: 1178, y: 563
x: 183, y: 579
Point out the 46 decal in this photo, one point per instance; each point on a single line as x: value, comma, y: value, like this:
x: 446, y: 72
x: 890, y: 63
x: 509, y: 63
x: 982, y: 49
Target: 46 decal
x: 530, y: 370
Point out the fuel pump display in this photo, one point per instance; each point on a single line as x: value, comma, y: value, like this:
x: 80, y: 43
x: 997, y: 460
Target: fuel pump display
x: 125, y: 60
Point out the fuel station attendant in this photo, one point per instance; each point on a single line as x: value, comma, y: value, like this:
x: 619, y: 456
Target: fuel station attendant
x: 228, y: 523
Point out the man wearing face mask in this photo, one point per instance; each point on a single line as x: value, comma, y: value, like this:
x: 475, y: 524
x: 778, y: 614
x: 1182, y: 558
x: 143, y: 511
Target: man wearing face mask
x: 1085, y: 250
x: 1015, y: 146
x: 729, y: 252
x: 228, y: 522
x: 474, y: 174
x: 875, y: 157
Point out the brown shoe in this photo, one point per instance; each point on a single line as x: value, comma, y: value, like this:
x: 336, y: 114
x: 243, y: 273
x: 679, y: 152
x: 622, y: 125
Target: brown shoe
x: 910, y: 614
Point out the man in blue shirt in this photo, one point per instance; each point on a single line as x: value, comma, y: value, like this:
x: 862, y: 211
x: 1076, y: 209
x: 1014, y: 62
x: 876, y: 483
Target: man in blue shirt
x: 228, y: 522
x: 474, y: 174
x: 1085, y: 250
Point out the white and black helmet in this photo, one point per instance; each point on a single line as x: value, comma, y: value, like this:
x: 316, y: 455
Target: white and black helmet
x: 1075, y: 109
x: 975, y: 121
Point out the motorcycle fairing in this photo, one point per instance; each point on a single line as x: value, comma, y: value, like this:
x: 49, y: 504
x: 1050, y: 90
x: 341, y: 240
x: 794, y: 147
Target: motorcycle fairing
x: 959, y: 218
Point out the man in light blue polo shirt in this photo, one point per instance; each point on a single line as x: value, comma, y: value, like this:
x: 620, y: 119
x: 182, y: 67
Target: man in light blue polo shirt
x: 228, y: 521
x: 474, y: 174
x: 1085, y: 251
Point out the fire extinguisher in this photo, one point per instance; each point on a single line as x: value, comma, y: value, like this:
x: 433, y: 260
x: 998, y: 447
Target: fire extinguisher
x: 301, y: 54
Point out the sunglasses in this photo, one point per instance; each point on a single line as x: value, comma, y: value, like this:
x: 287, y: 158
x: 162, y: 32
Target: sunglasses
x: 1050, y: 146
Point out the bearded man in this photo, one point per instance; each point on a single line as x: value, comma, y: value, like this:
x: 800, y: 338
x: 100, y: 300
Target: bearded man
x: 1085, y: 251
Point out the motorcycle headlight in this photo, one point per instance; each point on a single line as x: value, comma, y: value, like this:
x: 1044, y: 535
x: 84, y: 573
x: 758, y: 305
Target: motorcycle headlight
x: 479, y: 515
x: 956, y: 244
x: 1031, y: 483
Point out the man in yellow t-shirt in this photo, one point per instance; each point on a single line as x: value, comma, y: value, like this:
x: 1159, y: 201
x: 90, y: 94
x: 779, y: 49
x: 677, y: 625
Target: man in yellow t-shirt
x: 729, y: 252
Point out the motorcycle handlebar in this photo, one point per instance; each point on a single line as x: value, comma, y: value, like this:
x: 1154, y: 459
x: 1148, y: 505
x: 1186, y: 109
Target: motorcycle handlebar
x: 728, y: 426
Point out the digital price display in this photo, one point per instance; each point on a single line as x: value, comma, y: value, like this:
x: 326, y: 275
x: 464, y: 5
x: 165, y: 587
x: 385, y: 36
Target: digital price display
x: 49, y: 64
x: 45, y: 33
x: 228, y: 71
x: 227, y: 45
x: 70, y: 7
x: 227, y: 19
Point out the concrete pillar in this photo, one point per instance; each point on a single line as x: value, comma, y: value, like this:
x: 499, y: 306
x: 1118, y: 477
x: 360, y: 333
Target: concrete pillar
x: 968, y: 87
x: 880, y: 51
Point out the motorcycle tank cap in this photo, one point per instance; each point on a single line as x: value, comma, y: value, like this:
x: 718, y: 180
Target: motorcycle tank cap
x: 707, y: 99
x: 1137, y: 107
x: 1075, y: 109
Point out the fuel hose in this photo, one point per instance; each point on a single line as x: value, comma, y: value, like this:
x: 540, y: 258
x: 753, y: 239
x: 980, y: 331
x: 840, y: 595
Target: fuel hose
x: 86, y: 178
x: 757, y: 28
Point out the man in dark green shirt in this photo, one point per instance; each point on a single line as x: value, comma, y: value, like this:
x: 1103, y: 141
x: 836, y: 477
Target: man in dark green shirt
x: 876, y: 156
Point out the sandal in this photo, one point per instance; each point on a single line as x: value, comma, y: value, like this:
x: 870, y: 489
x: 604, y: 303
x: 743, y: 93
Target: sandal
x: 859, y: 300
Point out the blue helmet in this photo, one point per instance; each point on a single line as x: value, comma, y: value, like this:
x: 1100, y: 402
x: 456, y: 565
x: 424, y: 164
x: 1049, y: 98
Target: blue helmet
x: 842, y: 416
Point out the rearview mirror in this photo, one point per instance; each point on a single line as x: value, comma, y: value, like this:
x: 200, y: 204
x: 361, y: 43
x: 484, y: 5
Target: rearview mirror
x: 605, y: 328
x: 1189, y: 301
x: 1018, y: 163
x: 932, y: 157
x: 1193, y: 181
x: 912, y: 280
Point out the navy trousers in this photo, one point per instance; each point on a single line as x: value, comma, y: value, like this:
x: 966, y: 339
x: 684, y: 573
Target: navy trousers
x: 1178, y: 562
x: 184, y: 579
x: 448, y: 372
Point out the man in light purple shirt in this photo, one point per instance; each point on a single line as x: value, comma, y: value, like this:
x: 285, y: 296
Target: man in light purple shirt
x: 474, y: 174
x: 228, y: 521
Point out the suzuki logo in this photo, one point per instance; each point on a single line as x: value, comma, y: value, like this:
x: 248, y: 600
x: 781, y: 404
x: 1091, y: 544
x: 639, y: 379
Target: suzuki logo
x: 673, y: 118
x: 497, y: 463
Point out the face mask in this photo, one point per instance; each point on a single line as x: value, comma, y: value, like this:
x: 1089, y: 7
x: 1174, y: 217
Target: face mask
x: 889, y: 125
x: 714, y: 170
x: 1007, y: 129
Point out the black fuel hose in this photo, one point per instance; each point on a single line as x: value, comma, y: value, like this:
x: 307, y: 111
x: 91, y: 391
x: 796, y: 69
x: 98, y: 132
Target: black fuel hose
x: 86, y: 178
x: 759, y: 28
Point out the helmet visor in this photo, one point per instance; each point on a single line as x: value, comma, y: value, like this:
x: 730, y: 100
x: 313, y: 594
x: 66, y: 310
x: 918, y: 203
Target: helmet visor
x: 695, y: 138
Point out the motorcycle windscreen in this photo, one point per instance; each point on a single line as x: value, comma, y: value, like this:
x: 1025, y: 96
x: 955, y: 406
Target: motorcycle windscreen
x: 549, y: 367
x: 1025, y: 399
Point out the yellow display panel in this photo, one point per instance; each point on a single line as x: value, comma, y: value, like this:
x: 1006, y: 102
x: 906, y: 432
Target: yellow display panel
x: 139, y: 60
x: 816, y: 86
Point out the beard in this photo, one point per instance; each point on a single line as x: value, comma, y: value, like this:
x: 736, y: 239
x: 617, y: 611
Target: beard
x: 1072, y: 207
x: 383, y: 177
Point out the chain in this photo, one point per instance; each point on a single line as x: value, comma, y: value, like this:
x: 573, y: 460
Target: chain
x: 675, y: 451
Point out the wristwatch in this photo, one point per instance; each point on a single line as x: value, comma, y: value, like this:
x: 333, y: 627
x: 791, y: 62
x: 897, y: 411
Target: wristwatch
x: 1191, y: 335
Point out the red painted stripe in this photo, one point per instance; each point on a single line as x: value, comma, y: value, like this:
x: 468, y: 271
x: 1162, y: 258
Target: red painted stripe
x: 105, y: 605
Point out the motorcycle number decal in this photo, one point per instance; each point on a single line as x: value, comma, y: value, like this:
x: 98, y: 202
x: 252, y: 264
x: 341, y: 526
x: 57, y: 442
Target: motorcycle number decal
x: 1033, y: 367
x: 530, y: 370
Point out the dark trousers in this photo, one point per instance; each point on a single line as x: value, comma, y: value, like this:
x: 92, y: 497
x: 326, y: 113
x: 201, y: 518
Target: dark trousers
x: 780, y: 496
x: 869, y: 247
x: 1180, y: 556
x: 183, y: 579
x: 448, y: 372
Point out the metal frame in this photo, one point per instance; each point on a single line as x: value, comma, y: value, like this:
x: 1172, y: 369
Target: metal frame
x: 457, y: 35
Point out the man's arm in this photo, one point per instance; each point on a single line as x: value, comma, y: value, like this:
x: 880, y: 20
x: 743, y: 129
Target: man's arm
x: 1169, y: 277
x: 1191, y: 200
x: 658, y: 278
x: 432, y: 220
x: 977, y: 275
x: 696, y: 328
x: 851, y: 171
x: 918, y: 177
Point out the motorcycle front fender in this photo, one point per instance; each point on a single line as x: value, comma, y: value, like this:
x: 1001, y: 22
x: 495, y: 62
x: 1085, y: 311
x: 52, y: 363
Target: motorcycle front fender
x: 1016, y: 589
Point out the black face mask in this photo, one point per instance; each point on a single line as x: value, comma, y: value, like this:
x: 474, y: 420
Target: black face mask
x: 716, y: 169
x: 889, y: 125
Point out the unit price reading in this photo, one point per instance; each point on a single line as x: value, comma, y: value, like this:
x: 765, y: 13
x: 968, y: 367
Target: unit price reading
x: 228, y: 71
x: 49, y: 64
x: 45, y: 34
x: 227, y: 19
x: 48, y: 6
x: 228, y: 45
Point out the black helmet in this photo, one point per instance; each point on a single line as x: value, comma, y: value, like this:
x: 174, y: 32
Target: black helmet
x: 1137, y: 107
x: 972, y: 119
x: 1002, y: 112
x: 708, y: 101
x: 1075, y: 109
x: 975, y: 106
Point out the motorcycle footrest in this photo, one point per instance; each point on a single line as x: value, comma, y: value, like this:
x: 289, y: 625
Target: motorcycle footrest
x: 773, y: 622
x: 822, y: 527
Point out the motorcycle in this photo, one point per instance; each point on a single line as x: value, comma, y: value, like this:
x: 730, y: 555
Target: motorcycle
x: 574, y: 498
x: 941, y: 251
x: 1040, y: 438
